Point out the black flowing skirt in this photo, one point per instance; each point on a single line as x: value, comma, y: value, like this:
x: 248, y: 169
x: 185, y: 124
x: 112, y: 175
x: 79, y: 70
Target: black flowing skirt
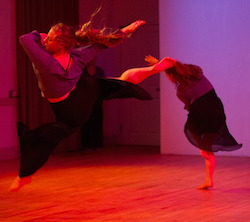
x: 206, y: 114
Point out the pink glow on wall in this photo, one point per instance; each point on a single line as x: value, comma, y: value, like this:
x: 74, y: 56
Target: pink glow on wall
x: 9, y: 146
x: 8, y: 48
x: 214, y: 35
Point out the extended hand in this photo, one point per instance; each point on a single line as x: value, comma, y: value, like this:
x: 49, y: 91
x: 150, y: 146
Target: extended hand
x: 151, y: 60
x: 133, y: 26
x: 164, y: 64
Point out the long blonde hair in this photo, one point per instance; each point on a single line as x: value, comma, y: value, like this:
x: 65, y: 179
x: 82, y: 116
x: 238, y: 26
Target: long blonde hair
x: 86, y: 34
x: 106, y: 36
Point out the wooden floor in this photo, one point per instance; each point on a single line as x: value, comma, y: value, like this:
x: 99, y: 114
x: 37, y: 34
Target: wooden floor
x: 130, y: 184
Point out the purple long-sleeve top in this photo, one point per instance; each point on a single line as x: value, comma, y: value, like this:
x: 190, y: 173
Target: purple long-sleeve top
x: 195, y: 90
x: 53, y: 80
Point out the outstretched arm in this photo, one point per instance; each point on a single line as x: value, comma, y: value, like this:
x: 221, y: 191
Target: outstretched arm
x: 136, y: 75
x: 162, y: 65
x: 133, y: 26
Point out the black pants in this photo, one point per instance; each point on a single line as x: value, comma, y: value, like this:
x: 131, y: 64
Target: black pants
x: 71, y: 113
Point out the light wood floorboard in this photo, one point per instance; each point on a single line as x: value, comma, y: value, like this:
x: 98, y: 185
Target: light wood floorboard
x: 130, y: 184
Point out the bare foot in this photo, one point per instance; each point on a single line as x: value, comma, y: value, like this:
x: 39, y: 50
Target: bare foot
x: 18, y: 183
x: 206, y: 185
x: 164, y: 64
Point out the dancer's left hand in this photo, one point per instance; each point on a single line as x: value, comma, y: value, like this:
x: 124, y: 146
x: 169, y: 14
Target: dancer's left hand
x: 133, y: 26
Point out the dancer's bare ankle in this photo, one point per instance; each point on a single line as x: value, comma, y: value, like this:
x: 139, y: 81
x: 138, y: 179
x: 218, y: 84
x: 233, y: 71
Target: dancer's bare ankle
x: 206, y: 185
x: 19, y: 182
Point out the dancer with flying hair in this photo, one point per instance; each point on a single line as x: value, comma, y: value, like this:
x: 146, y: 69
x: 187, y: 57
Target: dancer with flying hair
x: 58, y: 59
x: 206, y: 123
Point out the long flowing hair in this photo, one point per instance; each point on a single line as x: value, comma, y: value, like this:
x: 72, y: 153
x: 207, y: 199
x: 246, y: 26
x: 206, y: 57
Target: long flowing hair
x: 184, y: 74
x: 70, y: 37
x: 106, y: 36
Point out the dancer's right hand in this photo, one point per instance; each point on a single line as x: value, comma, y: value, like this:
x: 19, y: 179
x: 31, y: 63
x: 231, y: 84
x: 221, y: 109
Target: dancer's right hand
x: 151, y: 60
x: 43, y: 36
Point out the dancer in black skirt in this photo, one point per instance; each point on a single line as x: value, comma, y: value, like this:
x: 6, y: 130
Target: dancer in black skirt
x: 59, y: 58
x: 206, y: 124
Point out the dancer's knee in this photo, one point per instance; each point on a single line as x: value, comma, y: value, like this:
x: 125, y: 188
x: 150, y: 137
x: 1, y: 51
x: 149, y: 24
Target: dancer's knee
x: 206, y: 154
